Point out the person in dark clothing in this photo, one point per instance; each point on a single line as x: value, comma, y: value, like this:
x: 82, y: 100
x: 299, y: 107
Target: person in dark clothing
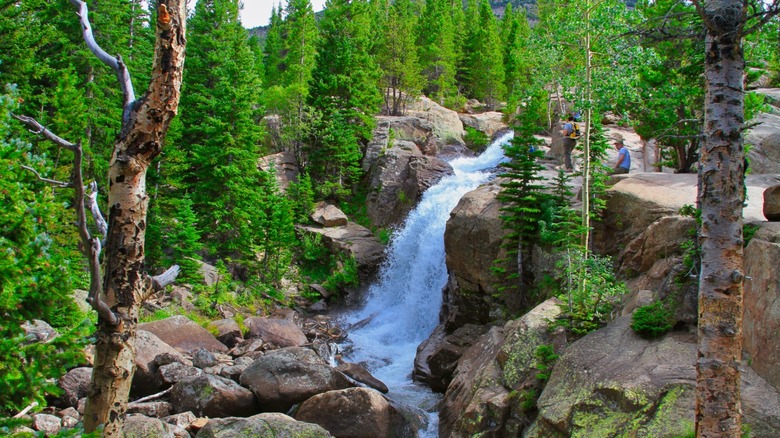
x: 569, y: 141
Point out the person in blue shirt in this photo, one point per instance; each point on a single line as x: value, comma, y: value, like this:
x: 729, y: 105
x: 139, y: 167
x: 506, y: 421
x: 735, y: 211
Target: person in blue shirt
x: 624, y: 158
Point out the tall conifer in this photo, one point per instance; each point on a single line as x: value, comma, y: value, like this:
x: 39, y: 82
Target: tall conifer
x: 219, y: 134
x: 487, y: 66
x: 401, y: 77
x: 344, y: 88
x: 436, y: 42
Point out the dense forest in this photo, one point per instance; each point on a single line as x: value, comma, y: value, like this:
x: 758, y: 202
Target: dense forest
x: 312, y: 88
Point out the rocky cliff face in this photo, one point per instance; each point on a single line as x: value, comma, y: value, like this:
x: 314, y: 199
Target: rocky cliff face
x: 611, y: 381
x: 761, y: 325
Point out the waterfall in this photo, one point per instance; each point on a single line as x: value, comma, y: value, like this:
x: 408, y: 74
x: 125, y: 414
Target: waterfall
x: 402, y: 306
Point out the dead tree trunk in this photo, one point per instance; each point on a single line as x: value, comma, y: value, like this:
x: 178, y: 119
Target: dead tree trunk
x: 718, y: 408
x: 145, y: 122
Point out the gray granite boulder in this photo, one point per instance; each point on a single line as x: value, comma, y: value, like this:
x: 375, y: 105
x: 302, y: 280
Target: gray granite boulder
x: 270, y: 425
x: 284, y: 377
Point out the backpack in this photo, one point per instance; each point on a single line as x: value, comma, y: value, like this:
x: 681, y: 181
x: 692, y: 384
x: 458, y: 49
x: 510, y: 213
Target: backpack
x: 575, y: 133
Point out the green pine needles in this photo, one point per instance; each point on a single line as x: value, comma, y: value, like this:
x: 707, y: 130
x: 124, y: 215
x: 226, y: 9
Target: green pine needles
x: 652, y: 320
x: 35, y: 278
x: 521, y: 195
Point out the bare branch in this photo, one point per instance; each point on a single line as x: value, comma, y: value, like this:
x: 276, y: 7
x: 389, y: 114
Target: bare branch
x: 47, y: 180
x: 91, y: 247
x: 36, y: 128
x: 766, y: 17
x: 96, y: 215
x: 28, y: 408
x: 158, y: 282
x: 116, y: 63
x: 151, y: 397
x: 166, y: 278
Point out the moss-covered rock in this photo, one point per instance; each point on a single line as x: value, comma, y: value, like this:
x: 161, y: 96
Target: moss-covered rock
x: 613, y: 383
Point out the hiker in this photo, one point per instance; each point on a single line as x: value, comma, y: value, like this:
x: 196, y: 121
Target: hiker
x: 624, y: 158
x: 569, y: 133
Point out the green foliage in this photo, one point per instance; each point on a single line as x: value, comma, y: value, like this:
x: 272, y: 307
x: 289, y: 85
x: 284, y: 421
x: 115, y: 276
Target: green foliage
x: 485, y: 58
x: 173, y: 237
x: 690, y: 248
x: 672, y: 75
x: 344, y: 89
x: 545, y: 360
x: 528, y: 399
x: 593, y: 294
x: 652, y: 320
x: 344, y: 276
x: 521, y: 197
x: 755, y: 103
x: 301, y: 196
x: 748, y: 231
x: 437, y: 50
x: 476, y: 140
x: 319, y: 265
x: 401, y: 78
x: 34, y: 277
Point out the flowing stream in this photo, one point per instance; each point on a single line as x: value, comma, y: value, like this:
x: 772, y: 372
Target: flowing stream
x: 402, y: 306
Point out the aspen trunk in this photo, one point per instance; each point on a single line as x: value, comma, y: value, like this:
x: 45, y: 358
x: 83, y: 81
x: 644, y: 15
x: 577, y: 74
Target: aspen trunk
x: 718, y: 409
x: 126, y: 286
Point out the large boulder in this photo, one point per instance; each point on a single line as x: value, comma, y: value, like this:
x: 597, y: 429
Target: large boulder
x: 278, y: 332
x: 410, y: 129
x: 447, y: 127
x: 472, y: 241
x: 438, y: 356
x: 636, y: 201
x: 328, y: 215
x: 614, y: 383
x: 355, y: 241
x: 74, y: 385
x: 764, y: 156
x: 360, y: 374
x: 183, y: 334
x: 269, y: 424
x: 772, y: 203
x: 227, y: 331
x: 761, y: 323
x: 662, y: 239
x: 355, y: 413
x: 284, y: 377
x: 139, y: 426
x: 497, y: 373
x: 148, y: 347
x: 212, y: 396
x: 398, y: 179
x: 490, y: 122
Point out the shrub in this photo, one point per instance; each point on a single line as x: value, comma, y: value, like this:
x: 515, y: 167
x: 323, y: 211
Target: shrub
x: 652, y: 320
x: 476, y: 140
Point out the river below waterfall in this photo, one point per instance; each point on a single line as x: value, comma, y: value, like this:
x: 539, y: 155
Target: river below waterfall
x: 402, y: 306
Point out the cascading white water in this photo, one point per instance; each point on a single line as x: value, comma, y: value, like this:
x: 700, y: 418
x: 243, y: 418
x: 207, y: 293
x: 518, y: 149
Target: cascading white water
x: 402, y: 307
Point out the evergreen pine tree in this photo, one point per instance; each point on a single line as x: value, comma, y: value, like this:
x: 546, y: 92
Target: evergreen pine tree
x: 487, y: 63
x: 219, y: 135
x: 344, y: 88
x: 436, y: 48
x: 36, y: 278
x: 300, y: 45
x: 273, y: 50
x: 521, y: 195
x: 401, y: 77
x: 469, y: 43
